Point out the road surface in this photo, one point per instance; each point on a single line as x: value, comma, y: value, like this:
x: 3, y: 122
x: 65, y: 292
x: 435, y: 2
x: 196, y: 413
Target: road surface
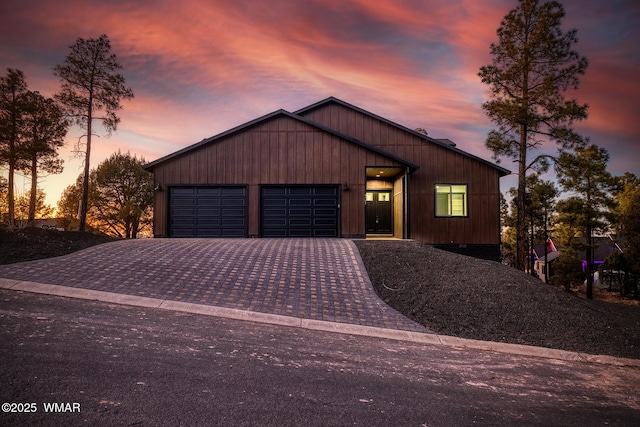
x: 76, y: 362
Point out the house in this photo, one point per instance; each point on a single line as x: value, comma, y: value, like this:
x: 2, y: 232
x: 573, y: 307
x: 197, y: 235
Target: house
x: 603, y: 246
x: 329, y: 170
x: 540, y: 265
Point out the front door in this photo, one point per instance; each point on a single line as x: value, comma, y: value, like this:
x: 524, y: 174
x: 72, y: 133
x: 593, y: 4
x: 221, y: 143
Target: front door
x: 379, y: 212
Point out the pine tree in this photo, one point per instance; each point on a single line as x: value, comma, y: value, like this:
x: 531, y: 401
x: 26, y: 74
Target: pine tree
x: 12, y: 89
x: 44, y: 129
x: 91, y: 83
x: 584, y: 173
x: 533, y: 66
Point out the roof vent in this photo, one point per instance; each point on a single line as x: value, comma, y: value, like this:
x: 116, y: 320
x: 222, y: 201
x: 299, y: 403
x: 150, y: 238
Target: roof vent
x: 446, y: 141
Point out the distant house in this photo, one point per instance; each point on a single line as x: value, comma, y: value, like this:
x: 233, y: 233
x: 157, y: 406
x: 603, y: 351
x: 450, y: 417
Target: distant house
x: 603, y: 246
x: 543, y: 256
x: 329, y: 170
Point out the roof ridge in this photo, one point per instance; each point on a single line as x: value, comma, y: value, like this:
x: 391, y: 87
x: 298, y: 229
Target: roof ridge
x: 149, y: 166
x: 402, y: 127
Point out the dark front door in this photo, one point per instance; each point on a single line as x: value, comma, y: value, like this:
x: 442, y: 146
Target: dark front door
x: 379, y: 212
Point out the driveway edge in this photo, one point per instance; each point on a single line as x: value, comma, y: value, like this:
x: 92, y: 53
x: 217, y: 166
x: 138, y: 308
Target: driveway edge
x: 342, y: 328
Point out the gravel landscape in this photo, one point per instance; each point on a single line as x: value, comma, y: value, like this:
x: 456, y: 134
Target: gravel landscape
x: 33, y: 243
x: 450, y: 294
x: 471, y: 298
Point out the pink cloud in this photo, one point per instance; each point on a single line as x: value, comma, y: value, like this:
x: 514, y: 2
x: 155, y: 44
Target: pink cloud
x: 199, y: 67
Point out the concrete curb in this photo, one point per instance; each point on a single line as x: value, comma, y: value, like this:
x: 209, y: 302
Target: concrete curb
x: 318, y: 325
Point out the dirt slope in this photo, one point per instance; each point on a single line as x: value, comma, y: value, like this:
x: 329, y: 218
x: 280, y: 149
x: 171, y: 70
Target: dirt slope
x: 471, y: 298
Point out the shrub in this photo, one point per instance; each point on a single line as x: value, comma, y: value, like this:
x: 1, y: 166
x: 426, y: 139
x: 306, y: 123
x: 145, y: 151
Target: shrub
x: 567, y: 270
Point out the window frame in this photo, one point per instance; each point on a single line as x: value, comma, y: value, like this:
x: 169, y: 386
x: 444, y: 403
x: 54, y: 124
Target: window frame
x: 450, y: 209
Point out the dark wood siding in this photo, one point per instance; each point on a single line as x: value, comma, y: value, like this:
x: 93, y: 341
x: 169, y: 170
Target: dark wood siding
x: 281, y: 150
x: 438, y: 164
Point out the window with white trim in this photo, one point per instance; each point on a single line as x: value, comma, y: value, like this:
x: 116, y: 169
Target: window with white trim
x: 451, y: 200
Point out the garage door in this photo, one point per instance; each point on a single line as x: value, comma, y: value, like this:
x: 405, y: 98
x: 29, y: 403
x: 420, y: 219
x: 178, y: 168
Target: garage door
x: 299, y: 211
x: 208, y: 212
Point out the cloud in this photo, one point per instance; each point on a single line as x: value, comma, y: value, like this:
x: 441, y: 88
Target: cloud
x: 199, y: 67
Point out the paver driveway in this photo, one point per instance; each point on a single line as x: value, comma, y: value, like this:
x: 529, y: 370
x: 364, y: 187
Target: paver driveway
x: 320, y: 279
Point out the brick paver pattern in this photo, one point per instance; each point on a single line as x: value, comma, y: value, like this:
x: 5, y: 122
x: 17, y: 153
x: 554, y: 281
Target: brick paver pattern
x: 321, y: 279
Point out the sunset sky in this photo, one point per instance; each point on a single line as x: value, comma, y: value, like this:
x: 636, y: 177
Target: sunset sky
x: 200, y: 67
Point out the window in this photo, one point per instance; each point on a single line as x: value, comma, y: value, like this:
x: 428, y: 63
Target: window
x: 451, y: 200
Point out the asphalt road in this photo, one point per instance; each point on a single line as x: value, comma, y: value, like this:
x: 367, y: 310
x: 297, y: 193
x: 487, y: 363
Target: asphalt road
x: 119, y: 365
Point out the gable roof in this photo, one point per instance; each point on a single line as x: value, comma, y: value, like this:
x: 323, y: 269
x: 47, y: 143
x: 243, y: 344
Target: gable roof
x: 151, y: 165
x: 603, y: 246
x: 446, y: 143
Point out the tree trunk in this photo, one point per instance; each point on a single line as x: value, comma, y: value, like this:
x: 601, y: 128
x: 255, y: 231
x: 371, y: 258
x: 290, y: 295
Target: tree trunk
x: 531, y: 235
x: 135, y: 226
x: 84, y: 200
x: 546, y: 251
x: 13, y: 158
x: 11, y: 220
x: 521, y: 234
x: 589, y: 264
x: 34, y: 189
x: 589, y: 247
